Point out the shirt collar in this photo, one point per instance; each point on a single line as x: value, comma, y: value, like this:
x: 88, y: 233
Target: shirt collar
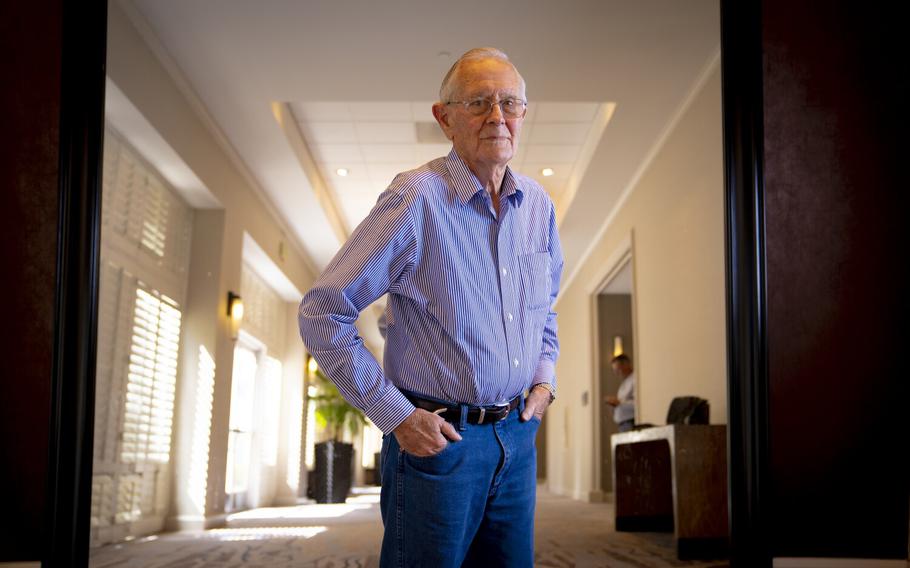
x: 466, y: 184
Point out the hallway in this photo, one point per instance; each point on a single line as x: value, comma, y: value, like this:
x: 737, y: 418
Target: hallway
x: 569, y: 533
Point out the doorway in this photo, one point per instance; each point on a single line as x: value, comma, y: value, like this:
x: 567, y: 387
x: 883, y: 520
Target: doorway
x: 615, y: 336
x: 612, y: 309
x: 253, y: 424
x: 600, y: 393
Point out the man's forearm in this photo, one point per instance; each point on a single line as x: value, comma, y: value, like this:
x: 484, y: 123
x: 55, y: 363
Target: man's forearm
x: 363, y: 270
x: 343, y: 357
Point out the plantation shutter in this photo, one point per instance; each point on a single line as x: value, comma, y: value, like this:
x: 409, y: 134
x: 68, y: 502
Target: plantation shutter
x: 145, y: 239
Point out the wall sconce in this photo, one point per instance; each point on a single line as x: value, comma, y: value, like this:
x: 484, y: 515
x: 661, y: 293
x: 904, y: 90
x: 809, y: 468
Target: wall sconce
x: 234, y: 313
x: 617, y: 346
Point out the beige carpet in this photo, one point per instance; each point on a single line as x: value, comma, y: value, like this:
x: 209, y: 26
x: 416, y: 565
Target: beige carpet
x: 569, y: 534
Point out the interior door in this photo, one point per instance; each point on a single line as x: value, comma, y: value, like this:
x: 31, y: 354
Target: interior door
x: 240, y: 434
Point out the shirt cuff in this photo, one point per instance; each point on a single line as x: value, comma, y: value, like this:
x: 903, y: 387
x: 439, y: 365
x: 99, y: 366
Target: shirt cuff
x: 390, y: 410
x: 544, y: 373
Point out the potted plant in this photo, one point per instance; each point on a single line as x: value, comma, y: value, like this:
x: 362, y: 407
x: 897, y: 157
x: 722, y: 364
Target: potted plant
x: 333, y: 471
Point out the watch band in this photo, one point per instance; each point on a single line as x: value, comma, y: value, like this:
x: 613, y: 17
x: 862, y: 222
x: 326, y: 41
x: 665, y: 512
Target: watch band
x: 550, y: 388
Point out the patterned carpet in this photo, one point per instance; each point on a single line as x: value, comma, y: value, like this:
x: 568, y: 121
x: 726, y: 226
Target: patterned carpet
x: 568, y: 534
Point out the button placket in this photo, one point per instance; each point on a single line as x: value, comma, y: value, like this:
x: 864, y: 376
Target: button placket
x: 508, y: 291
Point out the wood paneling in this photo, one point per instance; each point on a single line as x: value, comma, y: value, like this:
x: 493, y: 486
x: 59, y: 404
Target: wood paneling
x: 30, y: 35
x: 834, y: 96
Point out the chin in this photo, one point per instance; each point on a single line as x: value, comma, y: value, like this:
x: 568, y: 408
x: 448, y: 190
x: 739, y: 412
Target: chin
x: 503, y: 156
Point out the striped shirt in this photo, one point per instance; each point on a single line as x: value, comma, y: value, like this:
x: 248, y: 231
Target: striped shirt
x: 469, y: 313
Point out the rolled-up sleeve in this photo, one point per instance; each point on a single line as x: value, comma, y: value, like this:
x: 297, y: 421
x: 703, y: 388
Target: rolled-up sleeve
x: 549, y: 349
x: 380, y: 251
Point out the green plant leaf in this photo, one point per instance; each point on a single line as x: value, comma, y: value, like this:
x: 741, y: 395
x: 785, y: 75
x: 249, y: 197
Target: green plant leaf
x: 333, y: 411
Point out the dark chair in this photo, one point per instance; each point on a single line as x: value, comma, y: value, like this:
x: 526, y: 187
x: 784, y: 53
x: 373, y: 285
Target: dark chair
x: 688, y: 410
x: 684, y: 410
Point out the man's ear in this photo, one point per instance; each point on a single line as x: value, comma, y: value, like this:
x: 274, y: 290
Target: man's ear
x: 441, y: 114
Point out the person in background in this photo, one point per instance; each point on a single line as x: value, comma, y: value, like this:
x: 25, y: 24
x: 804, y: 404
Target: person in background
x: 624, y: 402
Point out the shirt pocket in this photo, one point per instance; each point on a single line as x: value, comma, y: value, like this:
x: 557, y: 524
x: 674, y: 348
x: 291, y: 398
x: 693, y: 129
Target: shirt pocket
x: 535, y: 277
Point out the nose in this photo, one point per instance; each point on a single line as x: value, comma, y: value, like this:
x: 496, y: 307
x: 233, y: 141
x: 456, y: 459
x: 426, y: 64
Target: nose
x: 495, y: 116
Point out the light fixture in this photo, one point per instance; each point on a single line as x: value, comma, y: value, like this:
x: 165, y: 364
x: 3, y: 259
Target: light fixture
x: 343, y: 172
x: 234, y: 313
x: 617, y: 346
x: 312, y: 366
x: 547, y: 172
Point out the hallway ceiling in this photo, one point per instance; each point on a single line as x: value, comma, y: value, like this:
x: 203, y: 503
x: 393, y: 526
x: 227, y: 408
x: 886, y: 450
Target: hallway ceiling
x: 356, y: 61
x: 360, y: 147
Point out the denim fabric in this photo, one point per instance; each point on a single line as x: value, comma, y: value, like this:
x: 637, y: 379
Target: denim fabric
x: 472, y: 504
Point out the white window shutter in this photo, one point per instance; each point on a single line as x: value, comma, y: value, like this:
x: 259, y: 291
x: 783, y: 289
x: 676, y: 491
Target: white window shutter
x: 145, y: 243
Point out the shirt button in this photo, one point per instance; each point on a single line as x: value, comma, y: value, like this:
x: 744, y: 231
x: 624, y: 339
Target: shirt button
x: 510, y: 317
x: 505, y: 272
x: 515, y: 362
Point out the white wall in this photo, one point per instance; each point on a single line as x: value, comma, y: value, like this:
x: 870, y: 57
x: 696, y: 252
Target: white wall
x: 674, y: 220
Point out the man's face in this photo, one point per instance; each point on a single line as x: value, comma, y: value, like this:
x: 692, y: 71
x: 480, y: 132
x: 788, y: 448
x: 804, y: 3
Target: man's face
x: 622, y: 369
x: 490, y: 139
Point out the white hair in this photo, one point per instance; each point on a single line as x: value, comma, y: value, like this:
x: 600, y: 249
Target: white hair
x: 449, y: 82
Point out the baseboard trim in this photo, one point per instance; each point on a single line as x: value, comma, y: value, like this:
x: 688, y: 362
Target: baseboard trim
x: 838, y: 563
x: 557, y: 490
x: 35, y: 564
x: 184, y: 523
x: 216, y: 521
x: 195, y: 522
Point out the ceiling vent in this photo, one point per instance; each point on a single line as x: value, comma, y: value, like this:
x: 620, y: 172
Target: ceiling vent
x: 430, y: 133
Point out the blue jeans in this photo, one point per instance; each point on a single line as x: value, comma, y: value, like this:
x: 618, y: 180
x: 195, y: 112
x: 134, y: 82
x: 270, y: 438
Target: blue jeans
x: 472, y: 504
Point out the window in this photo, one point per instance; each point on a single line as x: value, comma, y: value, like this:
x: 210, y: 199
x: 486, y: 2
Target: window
x: 151, y: 380
x: 145, y: 240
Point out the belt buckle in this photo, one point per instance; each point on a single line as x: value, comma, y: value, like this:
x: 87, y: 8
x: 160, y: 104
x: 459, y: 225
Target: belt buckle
x: 499, y: 408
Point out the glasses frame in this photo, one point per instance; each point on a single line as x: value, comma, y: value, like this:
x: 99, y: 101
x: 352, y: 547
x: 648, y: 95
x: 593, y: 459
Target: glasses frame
x: 490, y: 104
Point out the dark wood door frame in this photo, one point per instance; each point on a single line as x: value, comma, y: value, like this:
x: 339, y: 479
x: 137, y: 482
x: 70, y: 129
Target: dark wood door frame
x: 73, y: 383
x: 747, y: 347
x: 69, y: 478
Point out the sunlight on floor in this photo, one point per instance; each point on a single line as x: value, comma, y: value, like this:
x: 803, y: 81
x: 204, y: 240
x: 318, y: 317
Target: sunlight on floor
x: 362, y: 498
x: 332, y: 511
x: 264, y: 533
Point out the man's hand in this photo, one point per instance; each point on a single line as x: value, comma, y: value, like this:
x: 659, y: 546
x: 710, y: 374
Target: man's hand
x: 537, y: 403
x: 611, y: 400
x: 424, y: 434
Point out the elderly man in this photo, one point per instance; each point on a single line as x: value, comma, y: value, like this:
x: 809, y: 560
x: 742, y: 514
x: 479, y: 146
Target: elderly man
x: 468, y: 253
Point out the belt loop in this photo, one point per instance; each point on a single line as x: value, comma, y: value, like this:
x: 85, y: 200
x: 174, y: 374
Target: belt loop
x: 463, y: 420
x: 521, y: 402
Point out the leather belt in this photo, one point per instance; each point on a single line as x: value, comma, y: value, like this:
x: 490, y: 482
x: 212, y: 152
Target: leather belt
x: 476, y: 414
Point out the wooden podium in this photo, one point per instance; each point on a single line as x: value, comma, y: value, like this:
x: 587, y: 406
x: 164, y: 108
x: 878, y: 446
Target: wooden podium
x: 674, y: 478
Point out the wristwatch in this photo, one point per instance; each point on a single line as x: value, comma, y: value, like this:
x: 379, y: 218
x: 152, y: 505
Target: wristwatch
x: 550, y: 388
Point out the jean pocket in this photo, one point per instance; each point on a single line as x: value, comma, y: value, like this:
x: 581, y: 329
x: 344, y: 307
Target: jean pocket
x: 430, y: 457
x: 443, y: 463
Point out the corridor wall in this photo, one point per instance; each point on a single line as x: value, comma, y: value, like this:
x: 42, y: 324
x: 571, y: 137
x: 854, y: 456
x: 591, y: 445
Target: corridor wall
x: 228, y: 207
x: 673, y: 218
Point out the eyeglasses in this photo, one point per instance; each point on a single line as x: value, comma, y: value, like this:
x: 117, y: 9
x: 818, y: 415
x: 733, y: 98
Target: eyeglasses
x: 511, y: 108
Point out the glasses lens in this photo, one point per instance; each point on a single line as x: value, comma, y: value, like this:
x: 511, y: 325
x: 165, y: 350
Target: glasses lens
x: 513, y: 108
x: 478, y: 107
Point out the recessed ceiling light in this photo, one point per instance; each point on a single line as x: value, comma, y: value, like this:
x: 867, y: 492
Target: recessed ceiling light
x: 547, y: 172
x: 343, y: 172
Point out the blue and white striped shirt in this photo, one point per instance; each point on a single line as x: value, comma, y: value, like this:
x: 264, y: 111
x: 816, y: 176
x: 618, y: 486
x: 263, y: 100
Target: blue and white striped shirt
x: 470, y: 316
